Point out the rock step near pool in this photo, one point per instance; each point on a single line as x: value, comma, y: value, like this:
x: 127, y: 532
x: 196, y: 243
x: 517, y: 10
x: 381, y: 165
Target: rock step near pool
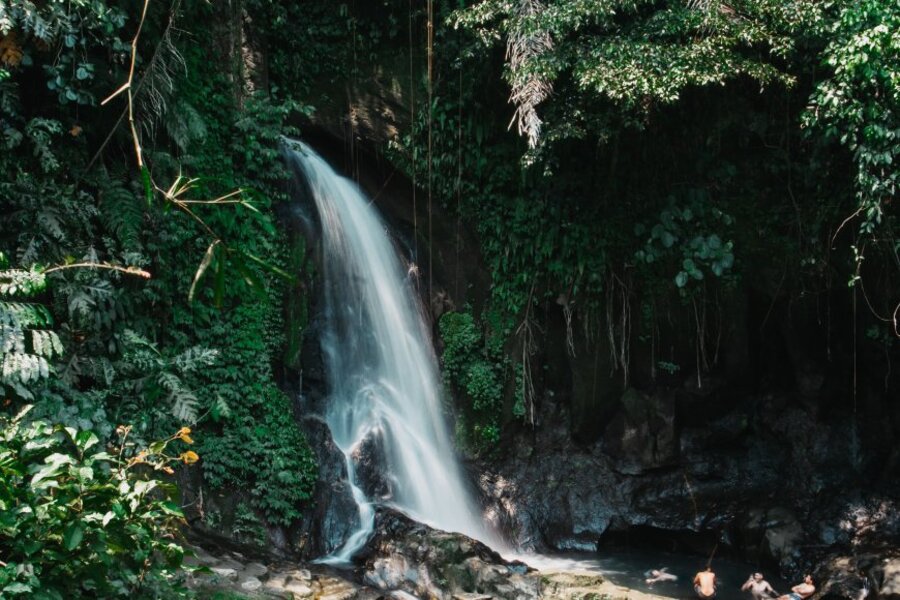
x: 403, y: 560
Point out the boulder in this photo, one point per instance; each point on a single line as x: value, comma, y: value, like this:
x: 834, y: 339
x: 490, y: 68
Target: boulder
x: 250, y: 584
x: 886, y: 577
x: 783, y: 537
x: 334, y: 514
x: 255, y: 569
x: 368, y: 458
x: 225, y: 573
x: 843, y: 577
x: 425, y: 562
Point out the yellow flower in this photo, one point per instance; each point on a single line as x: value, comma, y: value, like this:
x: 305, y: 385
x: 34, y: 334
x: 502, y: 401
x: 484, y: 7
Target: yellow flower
x: 184, y: 435
x: 140, y: 459
x: 189, y: 457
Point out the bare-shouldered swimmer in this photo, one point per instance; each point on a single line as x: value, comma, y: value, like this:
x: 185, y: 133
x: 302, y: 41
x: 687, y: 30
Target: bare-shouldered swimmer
x: 759, y: 588
x: 705, y: 584
x: 660, y: 575
x: 801, y: 591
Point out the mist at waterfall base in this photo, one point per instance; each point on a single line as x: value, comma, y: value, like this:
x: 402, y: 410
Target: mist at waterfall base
x: 385, y: 390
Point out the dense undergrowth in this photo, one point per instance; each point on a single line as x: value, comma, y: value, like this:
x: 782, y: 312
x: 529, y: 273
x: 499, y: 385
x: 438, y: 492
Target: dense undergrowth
x: 140, y: 296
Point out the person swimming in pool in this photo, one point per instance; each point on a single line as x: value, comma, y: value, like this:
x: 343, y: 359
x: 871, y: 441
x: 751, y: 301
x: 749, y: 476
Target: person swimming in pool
x: 705, y: 584
x: 759, y: 588
x: 657, y: 575
x: 801, y: 591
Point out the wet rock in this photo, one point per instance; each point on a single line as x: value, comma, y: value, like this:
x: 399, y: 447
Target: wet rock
x: 255, y: 569
x: 594, y: 391
x: 843, y: 577
x: 886, y: 576
x: 298, y: 589
x: 299, y: 575
x: 225, y: 573
x: 425, y: 562
x: 642, y: 435
x: 250, y: 584
x: 229, y: 562
x: 783, y: 537
x: 334, y: 514
x: 368, y: 458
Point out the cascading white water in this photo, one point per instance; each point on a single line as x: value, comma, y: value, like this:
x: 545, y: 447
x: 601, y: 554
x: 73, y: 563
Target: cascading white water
x: 384, y: 380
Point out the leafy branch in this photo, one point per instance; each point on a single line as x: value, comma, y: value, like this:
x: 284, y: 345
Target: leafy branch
x: 176, y: 193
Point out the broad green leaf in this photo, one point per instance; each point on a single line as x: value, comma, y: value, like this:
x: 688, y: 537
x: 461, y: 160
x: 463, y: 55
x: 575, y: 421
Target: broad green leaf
x: 170, y: 508
x: 86, y: 439
x: 73, y: 536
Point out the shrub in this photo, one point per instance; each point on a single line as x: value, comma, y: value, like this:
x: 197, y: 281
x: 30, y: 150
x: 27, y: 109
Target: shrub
x: 78, y: 521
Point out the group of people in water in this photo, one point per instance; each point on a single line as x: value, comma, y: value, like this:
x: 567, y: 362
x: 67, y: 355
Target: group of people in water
x: 705, y: 584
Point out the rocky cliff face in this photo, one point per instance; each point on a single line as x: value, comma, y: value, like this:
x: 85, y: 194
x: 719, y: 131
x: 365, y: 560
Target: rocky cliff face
x: 790, y: 478
x: 766, y: 480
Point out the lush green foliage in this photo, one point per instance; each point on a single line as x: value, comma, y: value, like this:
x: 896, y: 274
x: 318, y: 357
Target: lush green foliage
x: 687, y: 237
x: 638, y: 54
x: 859, y: 104
x: 26, y: 343
x: 676, y: 151
x: 195, y: 339
x: 673, y: 151
x: 476, y: 368
x: 78, y: 520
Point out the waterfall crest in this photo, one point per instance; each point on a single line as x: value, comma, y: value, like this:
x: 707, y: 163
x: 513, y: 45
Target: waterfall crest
x: 383, y: 375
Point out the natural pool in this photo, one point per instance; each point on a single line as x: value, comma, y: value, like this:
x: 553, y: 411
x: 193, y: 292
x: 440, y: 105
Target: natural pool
x: 628, y: 567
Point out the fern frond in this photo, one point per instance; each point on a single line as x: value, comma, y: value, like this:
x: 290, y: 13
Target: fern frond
x: 158, y: 84
x: 20, y: 281
x: 12, y: 340
x: 169, y: 382
x: 184, y: 402
x: 93, y: 300
x: 194, y: 358
x: 25, y: 368
x: 220, y: 408
x: 122, y: 212
x: 20, y: 322
x: 45, y: 343
x: 51, y: 224
x: 24, y: 314
x: 185, y: 406
x: 185, y: 125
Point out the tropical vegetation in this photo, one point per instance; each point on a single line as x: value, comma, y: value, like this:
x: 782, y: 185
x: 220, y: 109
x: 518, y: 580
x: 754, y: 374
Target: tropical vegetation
x: 627, y: 162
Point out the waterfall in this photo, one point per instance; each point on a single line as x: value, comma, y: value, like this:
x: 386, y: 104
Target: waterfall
x: 385, y: 390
